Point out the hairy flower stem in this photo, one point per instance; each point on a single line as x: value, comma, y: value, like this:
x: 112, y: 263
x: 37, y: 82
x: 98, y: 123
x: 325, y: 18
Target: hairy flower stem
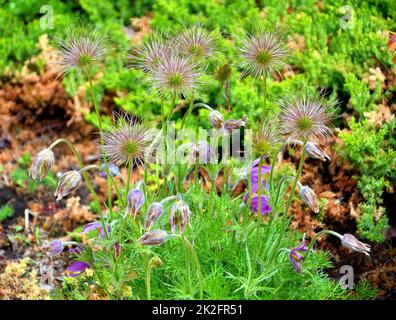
x: 260, y: 192
x: 293, y: 189
x: 128, y: 183
x: 110, y: 180
x: 211, y: 196
x: 319, y: 234
x: 191, y: 249
x: 221, y: 85
x: 273, y: 162
x: 299, y: 169
x: 88, y: 182
x: 264, y: 92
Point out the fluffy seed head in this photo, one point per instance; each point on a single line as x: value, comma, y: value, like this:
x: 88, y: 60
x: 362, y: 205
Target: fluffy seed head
x: 263, y: 53
x: 195, y: 42
x: 306, y: 118
x: 176, y: 76
x: 265, y: 138
x: 127, y: 142
x: 69, y: 181
x: 151, y: 54
x: 81, y: 49
x: 42, y: 163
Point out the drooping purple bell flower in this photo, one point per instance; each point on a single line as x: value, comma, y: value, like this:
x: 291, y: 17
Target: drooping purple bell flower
x: 254, y: 203
x: 77, y: 268
x: 95, y: 226
x: 55, y: 248
x: 77, y: 250
x: 296, y: 257
x: 255, y: 173
x: 136, y: 200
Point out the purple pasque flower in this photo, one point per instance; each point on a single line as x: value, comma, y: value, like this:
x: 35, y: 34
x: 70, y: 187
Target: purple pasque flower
x: 76, y: 268
x: 296, y: 257
x: 153, y: 238
x: 95, y: 226
x: 349, y: 241
x: 77, y: 250
x: 117, y: 250
x: 113, y: 169
x: 180, y: 215
x: 254, y: 203
x: 42, y: 163
x: 153, y: 213
x: 255, y: 173
x: 67, y: 182
x: 308, y: 196
x: 136, y: 200
x: 315, y: 152
x: 55, y: 248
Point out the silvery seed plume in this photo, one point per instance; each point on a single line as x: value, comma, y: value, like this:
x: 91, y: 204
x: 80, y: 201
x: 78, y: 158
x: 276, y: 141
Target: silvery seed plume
x: 82, y: 48
x: 42, y: 163
x: 196, y: 42
x: 265, y: 137
x: 176, y: 76
x: 306, y: 117
x: 263, y: 52
x: 151, y: 54
x: 127, y: 142
x: 68, y: 181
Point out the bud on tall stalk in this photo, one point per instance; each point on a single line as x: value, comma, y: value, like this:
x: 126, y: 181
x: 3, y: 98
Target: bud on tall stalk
x: 308, y: 196
x: 69, y: 181
x: 136, y: 200
x: 153, y: 238
x: 180, y: 215
x: 42, y: 164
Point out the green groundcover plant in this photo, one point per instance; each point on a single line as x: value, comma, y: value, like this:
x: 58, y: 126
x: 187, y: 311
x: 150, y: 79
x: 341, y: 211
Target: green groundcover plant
x: 167, y: 236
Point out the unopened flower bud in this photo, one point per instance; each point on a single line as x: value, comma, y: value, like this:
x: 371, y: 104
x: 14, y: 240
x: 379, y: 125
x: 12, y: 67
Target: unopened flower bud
x: 117, y: 250
x: 180, y: 215
x: 153, y: 238
x: 308, y: 196
x: 216, y: 119
x: 232, y: 124
x: 42, y: 163
x: 296, y: 256
x: 69, y: 181
x: 201, y: 153
x: 349, y: 241
x: 316, y: 152
x: 136, y: 200
x: 223, y: 74
x: 153, y: 213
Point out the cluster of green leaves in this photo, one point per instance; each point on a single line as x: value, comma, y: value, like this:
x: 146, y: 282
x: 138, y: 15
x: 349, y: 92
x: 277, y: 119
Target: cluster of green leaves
x: 6, y: 212
x: 372, y: 151
x: 224, y: 247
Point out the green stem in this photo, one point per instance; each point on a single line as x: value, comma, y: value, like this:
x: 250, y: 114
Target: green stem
x: 265, y: 91
x: 219, y: 95
x: 198, y: 266
x: 319, y: 234
x: 88, y: 182
x: 148, y: 280
x: 300, y: 165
